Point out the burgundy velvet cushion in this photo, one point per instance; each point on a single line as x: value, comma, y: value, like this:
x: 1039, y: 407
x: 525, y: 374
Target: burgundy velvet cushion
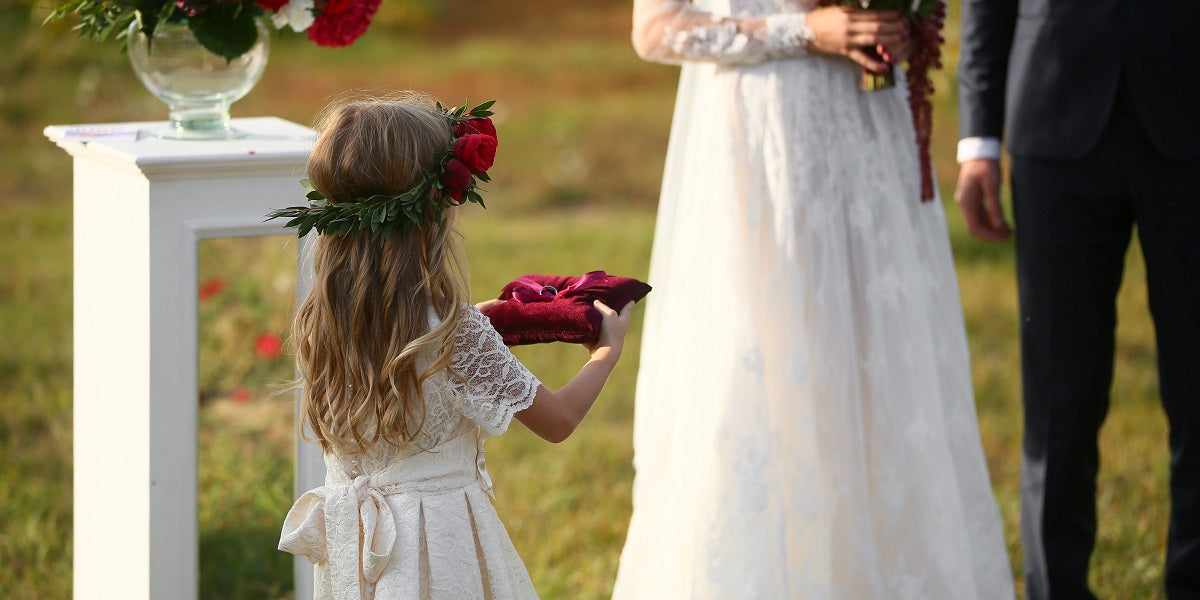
x: 535, y: 314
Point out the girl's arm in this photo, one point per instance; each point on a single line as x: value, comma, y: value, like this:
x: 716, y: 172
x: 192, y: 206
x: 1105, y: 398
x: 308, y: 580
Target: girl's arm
x: 554, y: 415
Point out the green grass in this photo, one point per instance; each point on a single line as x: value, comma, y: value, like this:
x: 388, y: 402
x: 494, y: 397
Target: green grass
x: 583, y: 132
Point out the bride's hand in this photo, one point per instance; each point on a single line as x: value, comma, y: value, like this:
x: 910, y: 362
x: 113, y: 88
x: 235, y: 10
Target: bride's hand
x: 855, y: 33
x: 897, y: 54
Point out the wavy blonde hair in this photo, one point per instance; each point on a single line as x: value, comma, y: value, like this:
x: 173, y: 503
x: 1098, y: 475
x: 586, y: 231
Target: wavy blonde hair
x: 362, y: 327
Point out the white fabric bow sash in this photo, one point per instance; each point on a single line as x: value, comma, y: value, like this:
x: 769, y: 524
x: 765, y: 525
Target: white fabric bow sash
x: 481, y: 472
x: 324, y: 523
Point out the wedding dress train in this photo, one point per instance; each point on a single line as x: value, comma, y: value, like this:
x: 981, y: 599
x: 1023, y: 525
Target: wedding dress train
x: 804, y: 424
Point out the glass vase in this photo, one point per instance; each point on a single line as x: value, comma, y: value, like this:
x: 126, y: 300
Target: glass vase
x: 197, y: 85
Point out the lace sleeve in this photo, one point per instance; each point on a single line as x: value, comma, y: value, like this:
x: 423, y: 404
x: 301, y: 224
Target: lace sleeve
x: 497, y: 385
x: 675, y: 31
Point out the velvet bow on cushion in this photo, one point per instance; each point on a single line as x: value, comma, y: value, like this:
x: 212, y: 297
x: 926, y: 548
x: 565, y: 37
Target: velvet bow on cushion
x: 552, y: 308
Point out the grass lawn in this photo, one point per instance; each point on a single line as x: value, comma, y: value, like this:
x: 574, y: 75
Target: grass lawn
x: 583, y: 127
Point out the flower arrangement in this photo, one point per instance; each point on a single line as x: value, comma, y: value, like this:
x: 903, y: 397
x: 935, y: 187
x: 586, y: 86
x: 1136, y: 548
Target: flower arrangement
x: 926, y: 18
x: 224, y: 27
x: 451, y: 180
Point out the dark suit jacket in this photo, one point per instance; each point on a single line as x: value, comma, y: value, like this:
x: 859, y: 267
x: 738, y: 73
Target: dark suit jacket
x: 1045, y: 72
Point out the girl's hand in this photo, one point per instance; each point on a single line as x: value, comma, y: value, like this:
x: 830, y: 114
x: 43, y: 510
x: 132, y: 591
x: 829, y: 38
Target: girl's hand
x: 856, y: 33
x: 612, y: 332
x: 487, y: 305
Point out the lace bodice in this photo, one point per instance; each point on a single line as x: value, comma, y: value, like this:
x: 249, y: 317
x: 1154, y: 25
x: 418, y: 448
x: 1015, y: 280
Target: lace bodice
x: 675, y: 31
x: 494, y: 387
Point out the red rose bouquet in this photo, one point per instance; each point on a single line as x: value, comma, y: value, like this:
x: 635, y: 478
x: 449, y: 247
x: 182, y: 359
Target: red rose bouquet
x: 926, y: 18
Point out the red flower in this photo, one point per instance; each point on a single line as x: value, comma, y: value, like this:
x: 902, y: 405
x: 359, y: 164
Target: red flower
x: 477, y: 150
x: 268, y: 346
x: 456, y: 177
x: 272, y: 5
x: 240, y: 395
x: 334, y: 7
x: 342, y: 21
x: 482, y: 125
x: 211, y: 288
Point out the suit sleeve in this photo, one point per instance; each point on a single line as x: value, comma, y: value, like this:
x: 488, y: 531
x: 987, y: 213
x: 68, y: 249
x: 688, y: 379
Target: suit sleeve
x: 986, y: 37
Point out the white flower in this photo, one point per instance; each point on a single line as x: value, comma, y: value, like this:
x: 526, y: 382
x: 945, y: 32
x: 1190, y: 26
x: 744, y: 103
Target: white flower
x: 297, y: 13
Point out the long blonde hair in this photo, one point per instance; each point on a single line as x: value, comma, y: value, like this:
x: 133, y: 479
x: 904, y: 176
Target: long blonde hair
x: 362, y: 327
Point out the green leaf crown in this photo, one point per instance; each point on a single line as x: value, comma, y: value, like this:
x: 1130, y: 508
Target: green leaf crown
x: 383, y: 215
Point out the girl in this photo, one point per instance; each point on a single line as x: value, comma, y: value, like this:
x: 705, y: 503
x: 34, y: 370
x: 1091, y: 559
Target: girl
x: 402, y: 378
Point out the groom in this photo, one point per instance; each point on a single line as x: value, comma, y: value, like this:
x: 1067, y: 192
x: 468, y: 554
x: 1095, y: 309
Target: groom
x: 1101, y: 108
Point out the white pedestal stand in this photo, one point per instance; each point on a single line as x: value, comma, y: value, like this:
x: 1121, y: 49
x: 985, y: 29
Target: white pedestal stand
x: 140, y: 209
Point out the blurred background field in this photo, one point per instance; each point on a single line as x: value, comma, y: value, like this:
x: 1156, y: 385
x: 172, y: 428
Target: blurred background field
x: 583, y: 125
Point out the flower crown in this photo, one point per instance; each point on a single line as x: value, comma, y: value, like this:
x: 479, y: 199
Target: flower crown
x: 450, y: 181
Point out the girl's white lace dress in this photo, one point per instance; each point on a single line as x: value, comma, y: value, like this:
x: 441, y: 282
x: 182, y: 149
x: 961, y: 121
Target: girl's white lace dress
x: 416, y: 522
x: 805, y: 424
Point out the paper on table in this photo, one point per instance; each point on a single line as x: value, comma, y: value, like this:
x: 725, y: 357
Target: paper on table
x: 87, y: 133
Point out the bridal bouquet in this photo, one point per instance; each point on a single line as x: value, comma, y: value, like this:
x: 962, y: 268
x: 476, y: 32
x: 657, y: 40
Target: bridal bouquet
x: 224, y: 27
x: 926, y: 18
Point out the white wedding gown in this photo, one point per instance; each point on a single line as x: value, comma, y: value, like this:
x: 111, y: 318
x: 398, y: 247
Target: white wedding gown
x: 805, y: 425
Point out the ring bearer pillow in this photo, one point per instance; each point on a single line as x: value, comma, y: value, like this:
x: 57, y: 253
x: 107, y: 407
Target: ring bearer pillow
x: 554, y: 308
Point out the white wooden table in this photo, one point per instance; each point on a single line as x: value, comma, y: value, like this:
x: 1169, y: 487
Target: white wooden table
x: 141, y: 206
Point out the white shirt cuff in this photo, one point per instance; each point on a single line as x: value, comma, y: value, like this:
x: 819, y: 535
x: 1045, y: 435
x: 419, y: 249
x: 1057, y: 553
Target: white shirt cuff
x: 978, y: 147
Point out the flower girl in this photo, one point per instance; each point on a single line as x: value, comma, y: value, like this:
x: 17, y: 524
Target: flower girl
x: 403, y: 378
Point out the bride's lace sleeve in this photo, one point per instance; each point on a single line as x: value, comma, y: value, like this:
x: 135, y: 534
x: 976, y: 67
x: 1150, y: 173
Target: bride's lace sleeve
x: 497, y: 385
x: 675, y: 31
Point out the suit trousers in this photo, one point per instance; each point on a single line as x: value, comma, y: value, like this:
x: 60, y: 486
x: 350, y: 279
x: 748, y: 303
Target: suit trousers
x: 1074, y: 222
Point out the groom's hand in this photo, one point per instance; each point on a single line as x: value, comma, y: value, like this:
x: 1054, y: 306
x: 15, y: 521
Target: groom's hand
x: 978, y: 197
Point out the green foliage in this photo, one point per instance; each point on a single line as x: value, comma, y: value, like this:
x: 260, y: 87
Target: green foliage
x: 384, y: 215
x: 100, y: 20
x: 227, y: 30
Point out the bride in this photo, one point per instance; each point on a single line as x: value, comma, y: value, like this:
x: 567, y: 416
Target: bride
x: 805, y: 425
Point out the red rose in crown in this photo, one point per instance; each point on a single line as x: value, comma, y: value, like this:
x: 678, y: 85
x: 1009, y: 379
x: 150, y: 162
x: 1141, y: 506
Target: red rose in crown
x: 481, y: 125
x: 476, y: 150
x: 456, y: 177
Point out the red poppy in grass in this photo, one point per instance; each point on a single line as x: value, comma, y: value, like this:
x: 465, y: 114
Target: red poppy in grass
x: 268, y: 346
x: 211, y: 288
x: 240, y: 395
